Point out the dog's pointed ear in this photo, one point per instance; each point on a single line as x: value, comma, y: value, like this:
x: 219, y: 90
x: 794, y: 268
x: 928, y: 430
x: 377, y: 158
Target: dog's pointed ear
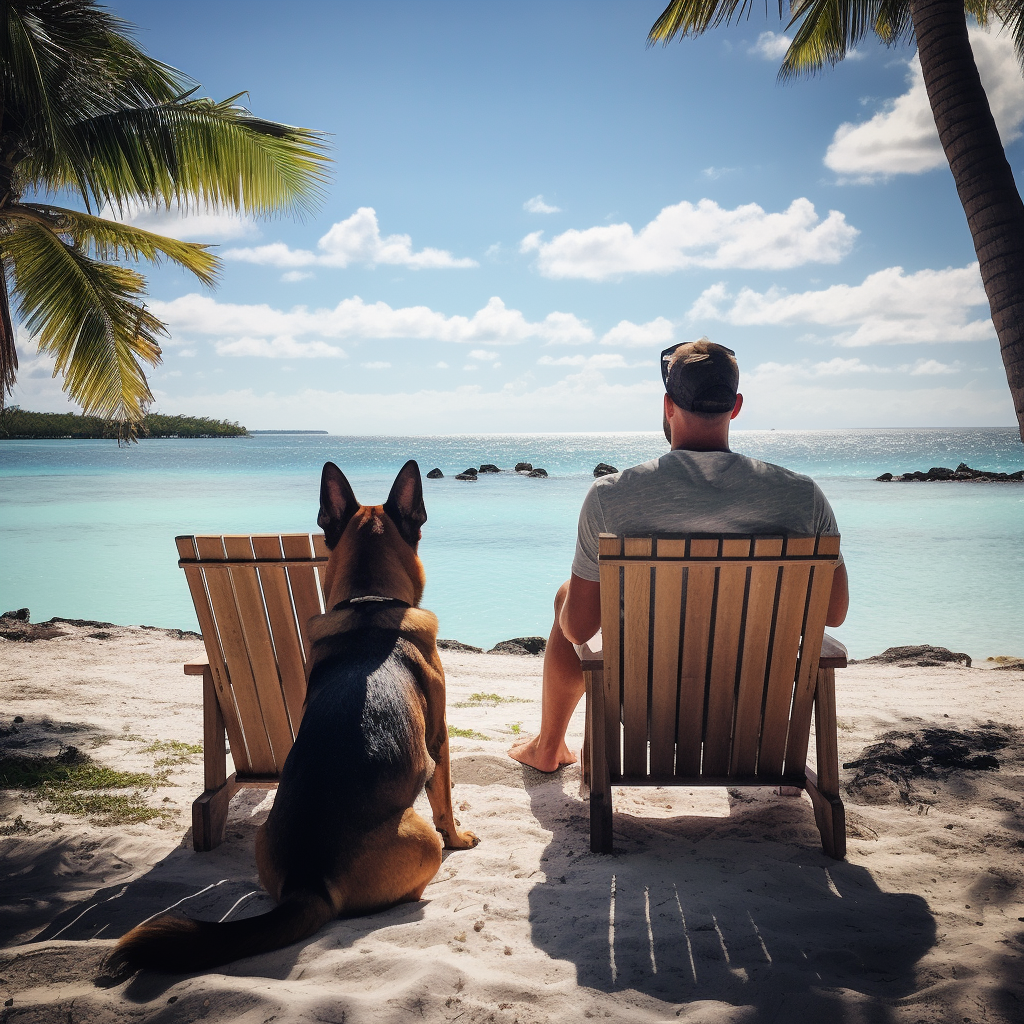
x: 337, y: 504
x: 405, y: 506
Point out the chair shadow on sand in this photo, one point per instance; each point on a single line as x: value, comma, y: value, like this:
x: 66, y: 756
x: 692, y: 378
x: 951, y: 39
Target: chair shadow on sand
x: 741, y: 908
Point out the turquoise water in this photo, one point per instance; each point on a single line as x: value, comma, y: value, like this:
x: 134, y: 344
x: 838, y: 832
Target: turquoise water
x: 87, y: 529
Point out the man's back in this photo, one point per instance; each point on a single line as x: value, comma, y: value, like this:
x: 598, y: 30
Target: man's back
x: 699, y: 492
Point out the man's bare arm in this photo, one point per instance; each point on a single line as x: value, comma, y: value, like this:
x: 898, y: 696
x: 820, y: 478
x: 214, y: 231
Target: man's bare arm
x: 839, y: 599
x: 580, y: 618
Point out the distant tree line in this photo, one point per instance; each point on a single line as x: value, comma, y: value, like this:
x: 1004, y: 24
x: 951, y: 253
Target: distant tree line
x: 17, y: 423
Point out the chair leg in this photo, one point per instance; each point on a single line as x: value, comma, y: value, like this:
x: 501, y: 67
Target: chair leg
x: 823, y: 788
x: 600, y: 775
x: 210, y: 811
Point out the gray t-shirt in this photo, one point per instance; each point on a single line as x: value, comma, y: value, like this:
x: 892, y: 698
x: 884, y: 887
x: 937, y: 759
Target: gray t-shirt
x: 699, y: 492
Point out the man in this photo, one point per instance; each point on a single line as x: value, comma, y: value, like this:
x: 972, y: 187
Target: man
x: 700, y: 486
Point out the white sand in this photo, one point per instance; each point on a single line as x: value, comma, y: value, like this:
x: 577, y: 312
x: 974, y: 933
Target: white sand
x: 714, y: 908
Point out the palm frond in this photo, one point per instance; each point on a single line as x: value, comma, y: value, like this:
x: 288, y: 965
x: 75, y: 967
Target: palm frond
x: 114, y: 240
x: 828, y: 29
x: 694, y: 17
x: 89, y: 316
x: 192, y: 152
x: 1009, y: 12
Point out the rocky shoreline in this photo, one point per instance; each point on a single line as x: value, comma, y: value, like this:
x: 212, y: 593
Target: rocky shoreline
x: 963, y: 472
x: 521, y: 469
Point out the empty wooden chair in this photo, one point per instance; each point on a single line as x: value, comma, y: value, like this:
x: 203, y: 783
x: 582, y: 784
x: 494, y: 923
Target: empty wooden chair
x: 712, y: 661
x: 254, y: 597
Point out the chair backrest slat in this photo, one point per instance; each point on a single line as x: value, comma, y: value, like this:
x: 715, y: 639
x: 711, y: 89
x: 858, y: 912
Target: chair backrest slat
x: 668, y: 596
x: 636, y: 617
x: 711, y: 649
x: 254, y: 597
x: 305, y: 583
x: 699, y: 595
x: 807, y: 671
x: 732, y: 581
x: 214, y: 653
x: 259, y: 646
x: 283, y: 627
x: 610, y: 610
x: 761, y: 591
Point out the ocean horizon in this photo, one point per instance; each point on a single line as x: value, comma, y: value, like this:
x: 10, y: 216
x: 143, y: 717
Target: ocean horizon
x: 87, y: 529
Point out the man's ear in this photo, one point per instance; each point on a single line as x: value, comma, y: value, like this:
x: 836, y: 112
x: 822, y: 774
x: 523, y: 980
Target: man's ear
x: 337, y: 504
x: 405, y: 506
x: 736, y: 408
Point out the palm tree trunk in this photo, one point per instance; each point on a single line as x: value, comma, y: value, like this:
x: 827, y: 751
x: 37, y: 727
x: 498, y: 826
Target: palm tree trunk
x: 984, y: 181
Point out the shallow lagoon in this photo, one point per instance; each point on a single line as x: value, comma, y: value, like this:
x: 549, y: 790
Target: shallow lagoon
x: 87, y: 529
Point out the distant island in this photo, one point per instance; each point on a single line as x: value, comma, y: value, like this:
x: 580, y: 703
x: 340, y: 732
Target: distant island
x: 288, y: 431
x: 17, y: 424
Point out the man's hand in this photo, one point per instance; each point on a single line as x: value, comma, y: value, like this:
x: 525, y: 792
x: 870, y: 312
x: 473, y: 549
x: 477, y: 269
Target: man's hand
x: 580, y: 617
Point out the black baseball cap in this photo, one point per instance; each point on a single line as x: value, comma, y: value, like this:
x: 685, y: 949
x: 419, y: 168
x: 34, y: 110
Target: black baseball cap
x: 705, y: 379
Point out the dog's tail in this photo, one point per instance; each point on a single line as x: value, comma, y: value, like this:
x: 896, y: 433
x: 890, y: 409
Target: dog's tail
x: 179, y: 945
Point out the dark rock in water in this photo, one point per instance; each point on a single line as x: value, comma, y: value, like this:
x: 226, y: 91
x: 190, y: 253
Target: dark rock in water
x: 466, y: 476
x: 923, y: 656
x: 489, y: 467
x: 962, y: 472
x: 538, y: 472
x: 22, y: 615
x: 603, y: 469
x: 456, y: 645
x: 520, y: 645
x: 435, y: 474
x: 469, y: 472
x: 523, y: 467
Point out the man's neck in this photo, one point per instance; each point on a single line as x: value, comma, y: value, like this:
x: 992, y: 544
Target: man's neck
x: 701, y: 446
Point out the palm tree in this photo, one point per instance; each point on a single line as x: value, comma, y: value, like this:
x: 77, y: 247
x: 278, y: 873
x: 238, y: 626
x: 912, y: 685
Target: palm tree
x: 85, y: 113
x: 828, y: 29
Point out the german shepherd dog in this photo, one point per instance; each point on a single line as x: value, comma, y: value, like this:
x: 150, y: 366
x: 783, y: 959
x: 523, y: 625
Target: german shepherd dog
x: 342, y: 838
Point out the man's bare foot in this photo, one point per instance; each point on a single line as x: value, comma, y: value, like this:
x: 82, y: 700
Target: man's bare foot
x: 529, y: 752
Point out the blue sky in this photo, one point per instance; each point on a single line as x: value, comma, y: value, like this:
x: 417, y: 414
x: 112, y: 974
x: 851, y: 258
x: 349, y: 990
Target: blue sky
x: 526, y: 204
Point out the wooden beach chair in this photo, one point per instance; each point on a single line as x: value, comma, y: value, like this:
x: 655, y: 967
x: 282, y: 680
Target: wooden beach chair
x: 714, y: 655
x: 253, y: 597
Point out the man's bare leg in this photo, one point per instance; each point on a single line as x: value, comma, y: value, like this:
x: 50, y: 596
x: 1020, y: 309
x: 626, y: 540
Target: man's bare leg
x: 562, y: 688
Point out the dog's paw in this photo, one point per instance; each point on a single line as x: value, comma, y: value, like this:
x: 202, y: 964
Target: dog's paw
x: 462, y: 839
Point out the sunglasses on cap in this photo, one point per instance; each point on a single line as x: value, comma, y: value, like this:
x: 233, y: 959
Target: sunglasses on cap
x: 668, y: 353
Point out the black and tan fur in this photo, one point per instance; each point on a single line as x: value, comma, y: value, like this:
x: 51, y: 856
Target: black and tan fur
x: 342, y: 838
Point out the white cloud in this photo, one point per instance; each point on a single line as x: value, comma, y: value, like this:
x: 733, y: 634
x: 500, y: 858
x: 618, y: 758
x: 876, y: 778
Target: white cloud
x: 771, y: 45
x: 588, y: 401
x: 902, y: 139
x: 376, y: 366
x: 714, y: 173
x: 537, y: 205
x: 840, y: 367
x: 297, y: 275
x: 600, y: 361
x: 354, y: 240
x: 282, y: 346
x: 483, y: 355
x: 441, y: 365
x: 260, y: 329
x: 890, y: 307
x: 932, y: 367
x: 656, y: 333
x: 701, y: 235
x: 196, y: 226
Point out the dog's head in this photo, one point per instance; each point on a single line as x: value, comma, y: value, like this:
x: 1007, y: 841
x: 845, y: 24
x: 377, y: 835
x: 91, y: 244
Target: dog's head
x: 373, y: 547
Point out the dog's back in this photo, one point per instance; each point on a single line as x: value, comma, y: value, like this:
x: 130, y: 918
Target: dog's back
x: 359, y: 758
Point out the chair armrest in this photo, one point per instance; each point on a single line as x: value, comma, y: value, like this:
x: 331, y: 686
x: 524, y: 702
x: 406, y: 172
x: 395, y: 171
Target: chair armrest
x: 198, y: 667
x: 833, y: 653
